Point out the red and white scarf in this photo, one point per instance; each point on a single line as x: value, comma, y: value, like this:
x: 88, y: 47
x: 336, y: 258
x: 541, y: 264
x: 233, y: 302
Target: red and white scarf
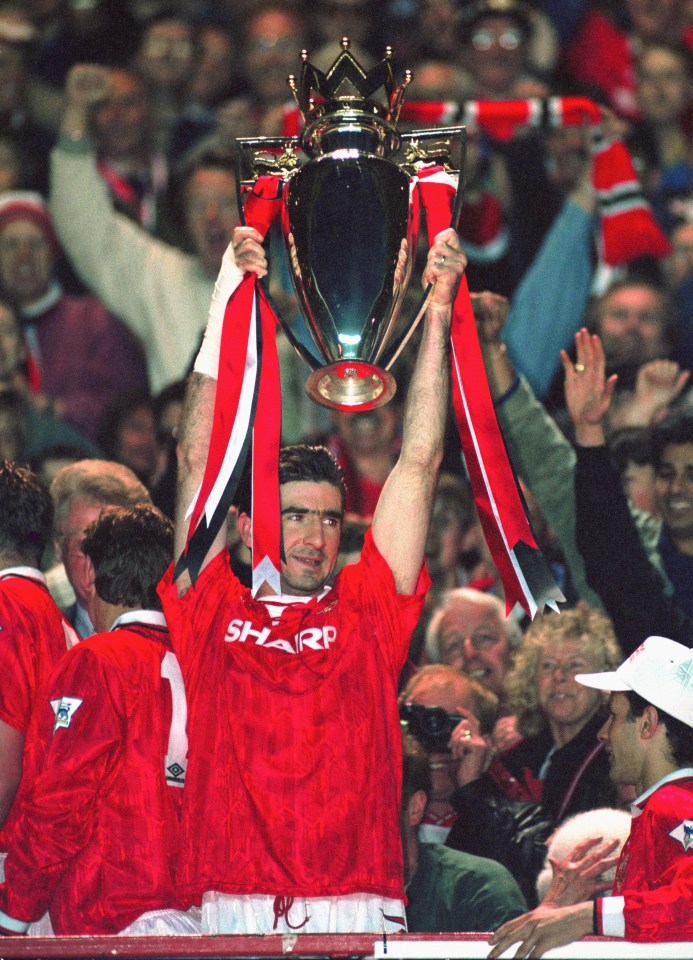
x: 628, y: 229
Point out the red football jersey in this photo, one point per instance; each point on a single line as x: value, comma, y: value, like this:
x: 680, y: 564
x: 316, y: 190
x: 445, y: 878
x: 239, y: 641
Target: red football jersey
x: 34, y: 635
x: 295, y: 772
x: 655, y: 871
x: 97, y: 836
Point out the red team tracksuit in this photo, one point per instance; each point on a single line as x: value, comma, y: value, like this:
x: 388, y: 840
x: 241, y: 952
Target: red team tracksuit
x: 653, y: 889
x: 293, y: 787
x: 97, y: 838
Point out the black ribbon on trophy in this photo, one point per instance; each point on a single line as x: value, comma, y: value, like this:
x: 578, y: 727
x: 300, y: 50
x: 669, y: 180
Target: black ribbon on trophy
x: 350, y: 193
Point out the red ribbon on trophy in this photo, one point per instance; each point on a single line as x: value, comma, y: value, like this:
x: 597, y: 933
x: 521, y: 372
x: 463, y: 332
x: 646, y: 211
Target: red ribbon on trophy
x: 522, y: 568
x: 247, y: 414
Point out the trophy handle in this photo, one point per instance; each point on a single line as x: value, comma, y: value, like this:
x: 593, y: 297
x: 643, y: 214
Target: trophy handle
x: 396, y: 348
x: 301, y: 349
x: 246, y: 150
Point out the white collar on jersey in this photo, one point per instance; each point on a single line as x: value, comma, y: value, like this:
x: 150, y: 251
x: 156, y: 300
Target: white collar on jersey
x: 637, y: 804
x: 150, y: 618
x: 30, y: 573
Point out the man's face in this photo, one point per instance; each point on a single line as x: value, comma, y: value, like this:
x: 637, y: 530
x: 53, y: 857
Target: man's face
x: 664, y: 87
x: 272, y: 50
x: 622, y: 743
x: 653, y: 19
x: 69, y: 546
x: 211, y: 214
x: 26, y: 261
x: 120, y: 121
x: 166, y: 54
x: 674, y: 490
x: 311, y: 530
x: 472, y: 639
x: 496, y: 54
x: 568, y: 705
x: 631, y: 325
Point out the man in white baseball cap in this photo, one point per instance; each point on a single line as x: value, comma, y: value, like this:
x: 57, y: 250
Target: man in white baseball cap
x: 649, y: 738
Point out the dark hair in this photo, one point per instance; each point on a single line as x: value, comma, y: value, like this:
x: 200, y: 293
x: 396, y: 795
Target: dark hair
x: 677, y: 428
x: 297, y: 462
x: 679, y: 734
x: 416, y: 771
x: 130, y: 550
x: 208, y: 158
x: 26, y: 513
x: 631, y: 445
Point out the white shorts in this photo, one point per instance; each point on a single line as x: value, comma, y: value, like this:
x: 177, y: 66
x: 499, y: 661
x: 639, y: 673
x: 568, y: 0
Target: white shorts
x: 164, y: 923
x: 259, y: 913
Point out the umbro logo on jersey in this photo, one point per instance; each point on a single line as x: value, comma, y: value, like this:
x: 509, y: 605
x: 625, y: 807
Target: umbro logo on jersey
x: 64, y: 709
x: 684, y: 834
x: 313, y: 638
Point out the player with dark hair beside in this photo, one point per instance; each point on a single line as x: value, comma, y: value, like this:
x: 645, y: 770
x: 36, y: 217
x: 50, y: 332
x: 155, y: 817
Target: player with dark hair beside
x: 649, y: 739
x: 97, y: 836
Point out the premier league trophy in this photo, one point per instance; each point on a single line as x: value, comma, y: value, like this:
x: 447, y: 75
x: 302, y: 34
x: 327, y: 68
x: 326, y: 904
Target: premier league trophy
x: 350, y: 222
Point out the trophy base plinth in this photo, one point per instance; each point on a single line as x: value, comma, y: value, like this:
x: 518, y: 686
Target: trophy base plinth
x: 351, y: 385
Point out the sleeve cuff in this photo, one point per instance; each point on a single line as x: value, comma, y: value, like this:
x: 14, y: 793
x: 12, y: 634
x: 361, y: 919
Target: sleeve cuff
x: 77, y: 144
x: 14, y: 926
x: 513, y: 388
x: 611, y: 920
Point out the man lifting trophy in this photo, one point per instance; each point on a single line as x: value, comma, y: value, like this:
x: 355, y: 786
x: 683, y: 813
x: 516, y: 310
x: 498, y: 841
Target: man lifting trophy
x: 349, y: 194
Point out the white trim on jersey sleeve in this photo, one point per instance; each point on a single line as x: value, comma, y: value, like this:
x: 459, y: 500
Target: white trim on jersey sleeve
x: 613, y: 919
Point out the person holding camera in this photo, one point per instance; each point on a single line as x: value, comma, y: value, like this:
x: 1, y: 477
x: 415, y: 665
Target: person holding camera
x: 447, y: 891
x: 452, y: 717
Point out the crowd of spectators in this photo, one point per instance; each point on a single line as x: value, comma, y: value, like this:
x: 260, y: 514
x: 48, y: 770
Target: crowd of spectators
x: 118, y: 122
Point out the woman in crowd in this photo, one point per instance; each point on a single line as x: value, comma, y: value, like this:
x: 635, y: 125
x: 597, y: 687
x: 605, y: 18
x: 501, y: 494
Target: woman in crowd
x: 559, y: 763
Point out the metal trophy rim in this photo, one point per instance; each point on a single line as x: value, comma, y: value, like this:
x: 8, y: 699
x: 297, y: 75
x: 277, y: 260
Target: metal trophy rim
x: 364, y: 386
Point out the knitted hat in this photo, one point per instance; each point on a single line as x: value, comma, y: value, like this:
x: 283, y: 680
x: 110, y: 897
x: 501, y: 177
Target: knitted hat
x: 660, y: 671
x: 28, y: 205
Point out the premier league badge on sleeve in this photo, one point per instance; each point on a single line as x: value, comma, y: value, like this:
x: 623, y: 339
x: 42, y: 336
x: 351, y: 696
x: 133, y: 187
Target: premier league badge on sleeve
x: 64, y: 710
x: 684, y: 834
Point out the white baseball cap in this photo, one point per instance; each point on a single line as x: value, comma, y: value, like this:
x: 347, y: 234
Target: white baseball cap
x: 660, y: 671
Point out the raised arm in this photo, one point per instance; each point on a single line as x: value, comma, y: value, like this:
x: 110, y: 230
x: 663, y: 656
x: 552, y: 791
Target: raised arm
x: 245, y: 252
x: 400, y: 523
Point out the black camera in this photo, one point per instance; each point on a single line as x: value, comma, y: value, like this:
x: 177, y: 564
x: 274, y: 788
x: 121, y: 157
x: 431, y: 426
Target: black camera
x: 432, y: 726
